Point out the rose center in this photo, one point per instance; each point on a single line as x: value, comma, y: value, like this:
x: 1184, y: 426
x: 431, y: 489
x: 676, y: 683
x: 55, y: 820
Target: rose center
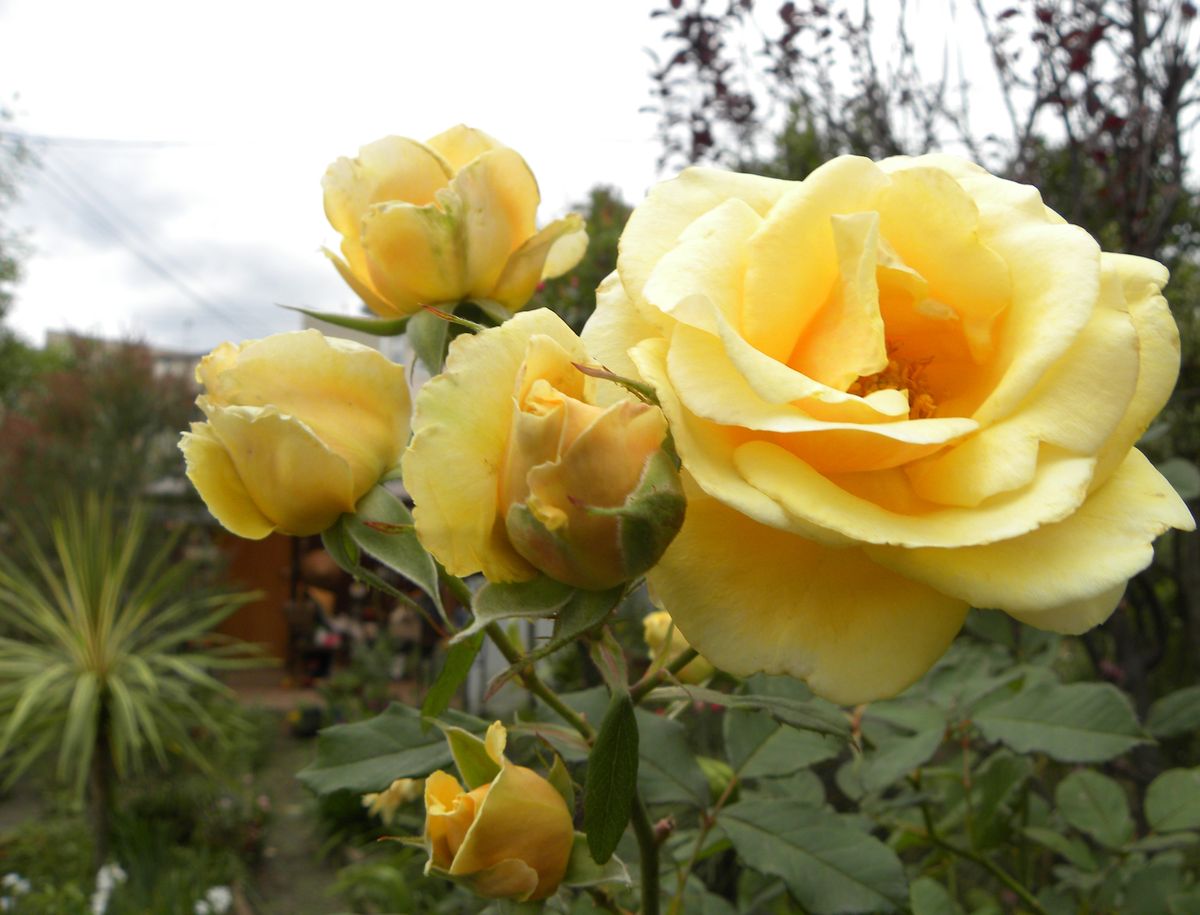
x: 901, y: 375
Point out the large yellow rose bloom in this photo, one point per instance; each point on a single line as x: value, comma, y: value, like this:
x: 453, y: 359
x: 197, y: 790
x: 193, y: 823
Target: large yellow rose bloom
x: 438, y: 222
x: 898, y: 389
x: 508, y: 839
x: 300, y: 427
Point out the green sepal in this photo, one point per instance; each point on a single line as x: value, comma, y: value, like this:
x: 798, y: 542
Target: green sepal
x: 471, y: 757
x: 639, y: 389
x: 379, y: 327
x: 560, y: 778
x: 582, y: 871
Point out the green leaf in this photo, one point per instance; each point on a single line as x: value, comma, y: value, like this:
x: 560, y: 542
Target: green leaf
x: 369, y: 755
x: 495, y: 601
x: 1071, y: 848
x: 396, y: 546
x: 611, y: 779
x: 831, y: 868
x: 1173, y: 801
x: 428, y: 335
x: 1175, y: 713
x: 892, y: 760
x: 810, y: 715
x: 609, y: 659
x: 459, y: 658
x: 471, y: 757
x: 760, y: 747
x: 379, y: 327
x: 583, y: 871
x: 1080, y: 722
x: 560, y: 778
x: 928, y: 897
x: 1095, y: 804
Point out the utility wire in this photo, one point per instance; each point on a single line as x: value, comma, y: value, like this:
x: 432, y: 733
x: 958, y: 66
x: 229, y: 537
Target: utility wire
x: 104, y: 213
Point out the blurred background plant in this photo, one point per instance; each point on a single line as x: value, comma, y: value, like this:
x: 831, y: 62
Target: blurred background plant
x: 107, y: 657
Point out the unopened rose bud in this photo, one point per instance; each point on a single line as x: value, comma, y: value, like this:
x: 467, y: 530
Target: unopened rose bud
x: 510, y: 838
x: 519, y: 464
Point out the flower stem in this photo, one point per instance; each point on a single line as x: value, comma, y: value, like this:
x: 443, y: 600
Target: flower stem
x: 655, y: 679
x: 648, y: 845
x: 532, y: 682
x: 988, y: 865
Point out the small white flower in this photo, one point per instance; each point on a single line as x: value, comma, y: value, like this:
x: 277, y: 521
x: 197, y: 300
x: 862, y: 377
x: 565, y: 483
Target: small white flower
x: 220, y: 898
x: 201, y: 908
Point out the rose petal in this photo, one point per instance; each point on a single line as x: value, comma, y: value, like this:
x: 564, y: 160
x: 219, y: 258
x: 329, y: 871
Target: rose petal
x: 564, y: 241
x: 851, y: 629
x: 415, y: 254
x: 1106, y: 541
x: 461, y: 424
x: 792, y: 264
x: 460, y: 144
x: 211, y: 471
x: 296, y: 480
x: 394, y: 168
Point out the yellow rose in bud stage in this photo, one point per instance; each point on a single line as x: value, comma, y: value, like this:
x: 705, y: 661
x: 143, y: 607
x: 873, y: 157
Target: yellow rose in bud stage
x: 521, y: 463
x: 438, y: 222
x: 508, y: 839
x: 300, y: 427
x: 666, y: 643
x: 897, y: 390
x: 384, y: 804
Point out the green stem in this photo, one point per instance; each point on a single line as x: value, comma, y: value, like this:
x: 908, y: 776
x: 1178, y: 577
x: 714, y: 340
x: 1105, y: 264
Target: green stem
x: 990, y: 866
x: 532, y: 682
x: 648, y: 845
x: 653, y: 680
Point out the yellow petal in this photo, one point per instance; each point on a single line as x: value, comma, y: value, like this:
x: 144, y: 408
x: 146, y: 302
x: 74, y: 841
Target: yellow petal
x: 851, y: 629
x: 507, y: 879
x: 351, y: 396
x: 499, y: 204
x: 1076, y: 617
x: 1059, y: 487
x: 564, y: 240
x: 615, y: 328
x: 495, y: 741
x: 670, y: 207
x: 709, y: 386
x: 460, y: 144
x: 461, y: 424
x: 1076, y: 407
x: 845, y: 338
x: 793, y: 261
x: 360, y: 283
x: 415, y: 253
x: 1106, y: 541
x: 523, y: 817
x: 1158, y: 353
x: 449, y: 813
x: 211, y: 471
x: 706, y: 264
x: 394, y: 168
x: 934, y: 226
x: 298, y: 483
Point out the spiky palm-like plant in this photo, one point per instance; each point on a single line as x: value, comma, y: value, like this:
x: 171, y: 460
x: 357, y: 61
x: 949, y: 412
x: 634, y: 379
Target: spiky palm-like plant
x: 99, y: 663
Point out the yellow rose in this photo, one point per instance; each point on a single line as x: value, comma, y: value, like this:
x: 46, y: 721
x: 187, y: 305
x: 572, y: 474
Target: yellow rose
x: 508, y: 839
x: 520, y: 463
x: 666, y: 643
x: 300, y: 427
x: 898, y: 389
x: 384, y: 804
x: 438, y: 222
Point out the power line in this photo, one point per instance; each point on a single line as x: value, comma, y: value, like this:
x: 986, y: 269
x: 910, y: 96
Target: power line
x: 95, y: 211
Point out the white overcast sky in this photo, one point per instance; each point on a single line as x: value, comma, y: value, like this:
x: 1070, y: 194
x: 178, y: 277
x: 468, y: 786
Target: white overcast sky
x: 182, y: 198
x: 250, y: 101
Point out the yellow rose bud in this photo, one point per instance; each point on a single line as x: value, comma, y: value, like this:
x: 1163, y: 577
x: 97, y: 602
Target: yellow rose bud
x: 666, y: 643
x: 898, y: 390
x: 438, y: 222
x: 508, y: 839
x: 521, y: 463
x: 300, y: 427
x: 384, y: 804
